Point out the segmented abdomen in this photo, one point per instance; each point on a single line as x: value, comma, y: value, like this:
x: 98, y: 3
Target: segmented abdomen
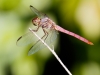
x: 72, y: 34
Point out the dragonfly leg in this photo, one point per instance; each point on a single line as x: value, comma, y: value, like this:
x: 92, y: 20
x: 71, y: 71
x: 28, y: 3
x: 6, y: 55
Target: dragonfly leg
x: 45, y: 34
x: 36, y: 29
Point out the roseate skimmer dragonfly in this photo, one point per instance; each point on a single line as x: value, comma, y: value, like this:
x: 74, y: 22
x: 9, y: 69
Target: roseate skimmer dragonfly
x: 50, y: 32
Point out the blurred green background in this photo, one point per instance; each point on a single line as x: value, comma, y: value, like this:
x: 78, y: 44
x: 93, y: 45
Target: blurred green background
x: 79, y: 16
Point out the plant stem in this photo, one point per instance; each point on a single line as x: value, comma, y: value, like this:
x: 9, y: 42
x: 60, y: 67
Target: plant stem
x: 53, y: 52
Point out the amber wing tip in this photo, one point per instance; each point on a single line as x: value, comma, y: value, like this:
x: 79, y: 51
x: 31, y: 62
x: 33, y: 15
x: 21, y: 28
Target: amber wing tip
x: 91, y: 43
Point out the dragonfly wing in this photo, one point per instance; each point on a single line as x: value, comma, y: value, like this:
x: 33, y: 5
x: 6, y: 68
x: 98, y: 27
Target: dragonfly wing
x: 39, y: 45
x: 26, y: 39
x: 52, y: 37
x: 36, y: 47
x: 38, y: 13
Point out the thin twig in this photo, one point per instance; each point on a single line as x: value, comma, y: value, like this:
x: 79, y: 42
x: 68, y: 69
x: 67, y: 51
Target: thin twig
x: 52, y: 50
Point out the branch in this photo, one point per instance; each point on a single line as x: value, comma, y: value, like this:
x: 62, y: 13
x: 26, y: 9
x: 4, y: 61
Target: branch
x: 53, y: 52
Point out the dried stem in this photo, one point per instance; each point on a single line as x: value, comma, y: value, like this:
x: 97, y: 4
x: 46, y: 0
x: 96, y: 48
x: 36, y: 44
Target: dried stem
x: 52, y: 50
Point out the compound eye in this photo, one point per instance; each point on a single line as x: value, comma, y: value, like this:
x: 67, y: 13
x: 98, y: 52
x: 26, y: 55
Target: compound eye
x: 34, y: 22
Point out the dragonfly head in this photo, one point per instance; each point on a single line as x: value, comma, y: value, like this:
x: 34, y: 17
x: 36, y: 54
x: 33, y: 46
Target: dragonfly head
x: 36, y: 21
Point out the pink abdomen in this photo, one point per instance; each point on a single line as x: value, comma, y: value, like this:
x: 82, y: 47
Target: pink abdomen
x: 72, y: 34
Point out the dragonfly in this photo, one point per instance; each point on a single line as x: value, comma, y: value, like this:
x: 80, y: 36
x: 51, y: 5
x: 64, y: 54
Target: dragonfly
x: 50, y: 30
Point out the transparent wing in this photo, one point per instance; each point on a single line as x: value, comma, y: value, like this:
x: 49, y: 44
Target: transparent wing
x: 39, y: 45
x: 52, y: 37
x: 35, y: 48
x: 38, y: 13
x: 26, y: 39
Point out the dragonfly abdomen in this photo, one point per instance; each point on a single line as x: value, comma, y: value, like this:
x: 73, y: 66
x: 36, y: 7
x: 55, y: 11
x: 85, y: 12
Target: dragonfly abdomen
x: 72, y: 34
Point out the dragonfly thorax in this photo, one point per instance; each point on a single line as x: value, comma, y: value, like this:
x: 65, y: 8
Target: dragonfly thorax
x: 47, y: 23
x: 43, y: 22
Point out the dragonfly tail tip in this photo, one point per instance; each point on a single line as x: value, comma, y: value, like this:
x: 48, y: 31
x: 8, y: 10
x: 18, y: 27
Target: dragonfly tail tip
x: 91, y: 43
